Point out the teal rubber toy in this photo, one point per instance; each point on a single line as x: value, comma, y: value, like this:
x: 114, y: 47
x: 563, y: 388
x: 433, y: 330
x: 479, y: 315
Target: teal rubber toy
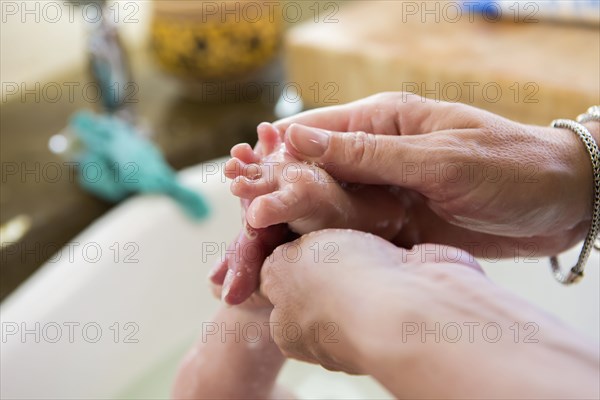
x: 116, y: 162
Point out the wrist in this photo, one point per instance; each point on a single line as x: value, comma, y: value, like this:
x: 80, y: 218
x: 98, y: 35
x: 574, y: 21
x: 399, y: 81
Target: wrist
x: 571, y: 171
x: 445, y: 349
x: 585, y: 171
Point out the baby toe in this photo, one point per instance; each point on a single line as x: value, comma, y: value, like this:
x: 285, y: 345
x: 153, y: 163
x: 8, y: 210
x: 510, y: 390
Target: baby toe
x: 268, y: 137
x: 247, y: 188
x: 234, y: 167
x: 244, y: 152
x: 283, y: 206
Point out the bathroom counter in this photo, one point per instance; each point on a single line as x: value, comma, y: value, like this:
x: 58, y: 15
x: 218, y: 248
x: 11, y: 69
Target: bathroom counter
x: 39, y: 185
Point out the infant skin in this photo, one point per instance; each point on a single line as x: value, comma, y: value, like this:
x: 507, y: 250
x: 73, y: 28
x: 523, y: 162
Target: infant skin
x: 283, y: 198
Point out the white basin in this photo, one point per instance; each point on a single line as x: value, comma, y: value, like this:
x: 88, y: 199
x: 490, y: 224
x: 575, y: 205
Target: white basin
x: 165, y: 294
x: 164, y: 298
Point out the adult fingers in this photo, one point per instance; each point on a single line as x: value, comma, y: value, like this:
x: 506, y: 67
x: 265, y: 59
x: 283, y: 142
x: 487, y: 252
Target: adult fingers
x: 406, y: 161
x: 390, y: 113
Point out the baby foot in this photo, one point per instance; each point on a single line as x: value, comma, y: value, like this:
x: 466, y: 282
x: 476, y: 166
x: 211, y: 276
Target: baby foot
x: 279, y: 194
x: 282, y: 189
x: 239, y: 272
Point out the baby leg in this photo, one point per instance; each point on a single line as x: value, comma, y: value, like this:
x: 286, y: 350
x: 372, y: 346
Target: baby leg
x: 225, y: 368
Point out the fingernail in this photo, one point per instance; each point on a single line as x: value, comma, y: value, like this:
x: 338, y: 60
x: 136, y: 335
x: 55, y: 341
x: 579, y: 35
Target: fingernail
x: 312, y: 142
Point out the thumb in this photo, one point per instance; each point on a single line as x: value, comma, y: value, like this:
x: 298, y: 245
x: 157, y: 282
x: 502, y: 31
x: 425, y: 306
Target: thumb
x: 359, y: 157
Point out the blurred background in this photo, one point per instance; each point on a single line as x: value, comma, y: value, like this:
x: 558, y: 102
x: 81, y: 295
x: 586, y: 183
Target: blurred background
x: 183, y: 81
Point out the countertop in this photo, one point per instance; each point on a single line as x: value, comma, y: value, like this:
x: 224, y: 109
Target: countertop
x: 534, y: 71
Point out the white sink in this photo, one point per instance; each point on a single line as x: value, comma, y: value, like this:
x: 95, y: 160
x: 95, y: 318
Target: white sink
x: 164, y: 297
x: 165, y: 294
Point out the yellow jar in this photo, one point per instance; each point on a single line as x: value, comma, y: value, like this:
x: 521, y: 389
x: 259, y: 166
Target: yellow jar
x: 215, y: 40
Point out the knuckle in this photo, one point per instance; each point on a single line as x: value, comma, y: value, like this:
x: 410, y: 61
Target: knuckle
x: 392, y: 97
x: 472, y: 117
x: 269, y: 270
x: 384, y: 96
x: 409, y: 97
x: 360, y: 148
x: 270, y: 285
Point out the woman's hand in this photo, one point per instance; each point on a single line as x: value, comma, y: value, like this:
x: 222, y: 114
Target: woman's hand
x: 424, y: 322
x: 475, y: 178
x: 332, y: 291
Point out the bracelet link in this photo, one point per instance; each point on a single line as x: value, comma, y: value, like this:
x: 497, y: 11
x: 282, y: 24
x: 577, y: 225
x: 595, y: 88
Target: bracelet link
x: 576, y: 272
x: 592, y: 114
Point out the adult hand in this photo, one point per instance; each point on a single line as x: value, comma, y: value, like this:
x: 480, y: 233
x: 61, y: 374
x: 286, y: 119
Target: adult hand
x: 475, y: 178
x: 424, y: 322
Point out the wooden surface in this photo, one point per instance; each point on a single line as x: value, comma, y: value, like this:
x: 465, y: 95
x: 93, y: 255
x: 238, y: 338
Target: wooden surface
x: 544, y: 70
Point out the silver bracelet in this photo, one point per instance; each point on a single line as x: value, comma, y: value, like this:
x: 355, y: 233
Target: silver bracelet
x: 576, y: 273
x: 592, y: 114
